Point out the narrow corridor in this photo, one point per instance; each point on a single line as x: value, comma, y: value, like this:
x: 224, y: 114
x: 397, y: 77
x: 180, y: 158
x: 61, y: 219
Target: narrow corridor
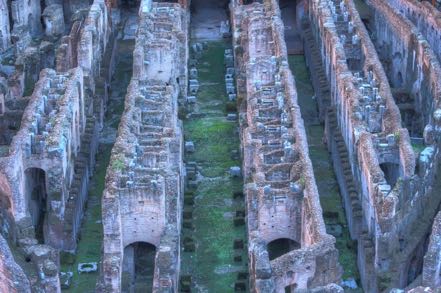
x: 214, y: 257
x: 90, y: 242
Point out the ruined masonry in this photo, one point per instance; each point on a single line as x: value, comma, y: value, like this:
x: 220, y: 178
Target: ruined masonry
x: 102, y: 189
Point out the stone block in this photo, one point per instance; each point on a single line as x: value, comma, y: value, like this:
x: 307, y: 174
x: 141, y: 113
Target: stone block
x: 232, y: 117
x: 191, y: 100
x: 66, y: 279
x: 189, y: 147
x: 235, y: 171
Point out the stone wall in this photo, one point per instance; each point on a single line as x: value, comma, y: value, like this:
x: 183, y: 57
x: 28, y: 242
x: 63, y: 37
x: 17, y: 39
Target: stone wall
x: 390, y: 209
x: 432, y: 260
x: 5, y: 29
x: 423, y: 81
x: 281, y: 193
x: 12, y: 277
x: 142, y: 201
x: 57, y: 137
x: 425, y: 18
x: 44, y: 142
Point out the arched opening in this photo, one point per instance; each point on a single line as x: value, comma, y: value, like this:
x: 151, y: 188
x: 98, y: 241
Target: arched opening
x: 281, y: 246
x: 36, y: 196
x: 42, y: 7
x: 138, y: 267
x: 415, y: 269
x: 291, y: 288
x: 10, y: 19
x: 288, y: 9
x: 391, y: 172
x: 400, y: 79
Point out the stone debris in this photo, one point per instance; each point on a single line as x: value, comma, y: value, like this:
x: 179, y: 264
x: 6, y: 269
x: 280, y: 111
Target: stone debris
x: 235, y: 171
x: 189, y: 147
x: 66, y: 279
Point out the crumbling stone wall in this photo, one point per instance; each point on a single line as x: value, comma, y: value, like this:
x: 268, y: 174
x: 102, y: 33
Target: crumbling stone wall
x: 5, y: 29
x: 49, y: 139
x: 12, y: 277
x: 431, y: 276
x: 427, y: 19
x: 281, y: 193
x: 95, y: 37
x: 413, y: 64
x: 26, y: 15
x: 424, y: 81
x: 390, y: 209
x: 57, y: 138
x: 142, y: 201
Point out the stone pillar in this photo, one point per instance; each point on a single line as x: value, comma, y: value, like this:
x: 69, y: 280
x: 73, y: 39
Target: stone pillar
x: 53, y: 17
x: 5, y: 29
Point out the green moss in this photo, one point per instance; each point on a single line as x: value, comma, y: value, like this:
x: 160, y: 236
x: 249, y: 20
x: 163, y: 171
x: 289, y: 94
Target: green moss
x: 214, y: 139
x: 89, y: 247
x: 118, y: 163
x: 418, y: 148
x: 212, y: 96
x: 212, y: 265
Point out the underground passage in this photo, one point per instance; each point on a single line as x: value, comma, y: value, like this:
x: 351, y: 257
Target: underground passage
x: 220, y: 146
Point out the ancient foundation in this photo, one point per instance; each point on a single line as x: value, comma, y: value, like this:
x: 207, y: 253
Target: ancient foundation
x: 220, y: 146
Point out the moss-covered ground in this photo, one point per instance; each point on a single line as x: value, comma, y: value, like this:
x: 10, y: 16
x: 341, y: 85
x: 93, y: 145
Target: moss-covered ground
x: 89, y: 246
x: 212, y: 266
x: 330, y: 198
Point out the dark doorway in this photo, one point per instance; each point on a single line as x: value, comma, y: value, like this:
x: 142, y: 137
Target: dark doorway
x: 288, y: 9
x: 138, y: 267
x: 246, y: 2
x: 36, y: 195
x: 391, y: 173
x: 280, y: 247
x: 130, y: 3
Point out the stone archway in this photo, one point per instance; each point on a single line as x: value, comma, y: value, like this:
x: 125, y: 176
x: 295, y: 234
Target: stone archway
x: 138, y: 267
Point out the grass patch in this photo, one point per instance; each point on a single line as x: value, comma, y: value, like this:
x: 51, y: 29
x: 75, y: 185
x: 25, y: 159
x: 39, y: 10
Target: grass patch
x: 212, y: 265
x: 214, y: 139
x: 89, y: 247
x: 418, y: 148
